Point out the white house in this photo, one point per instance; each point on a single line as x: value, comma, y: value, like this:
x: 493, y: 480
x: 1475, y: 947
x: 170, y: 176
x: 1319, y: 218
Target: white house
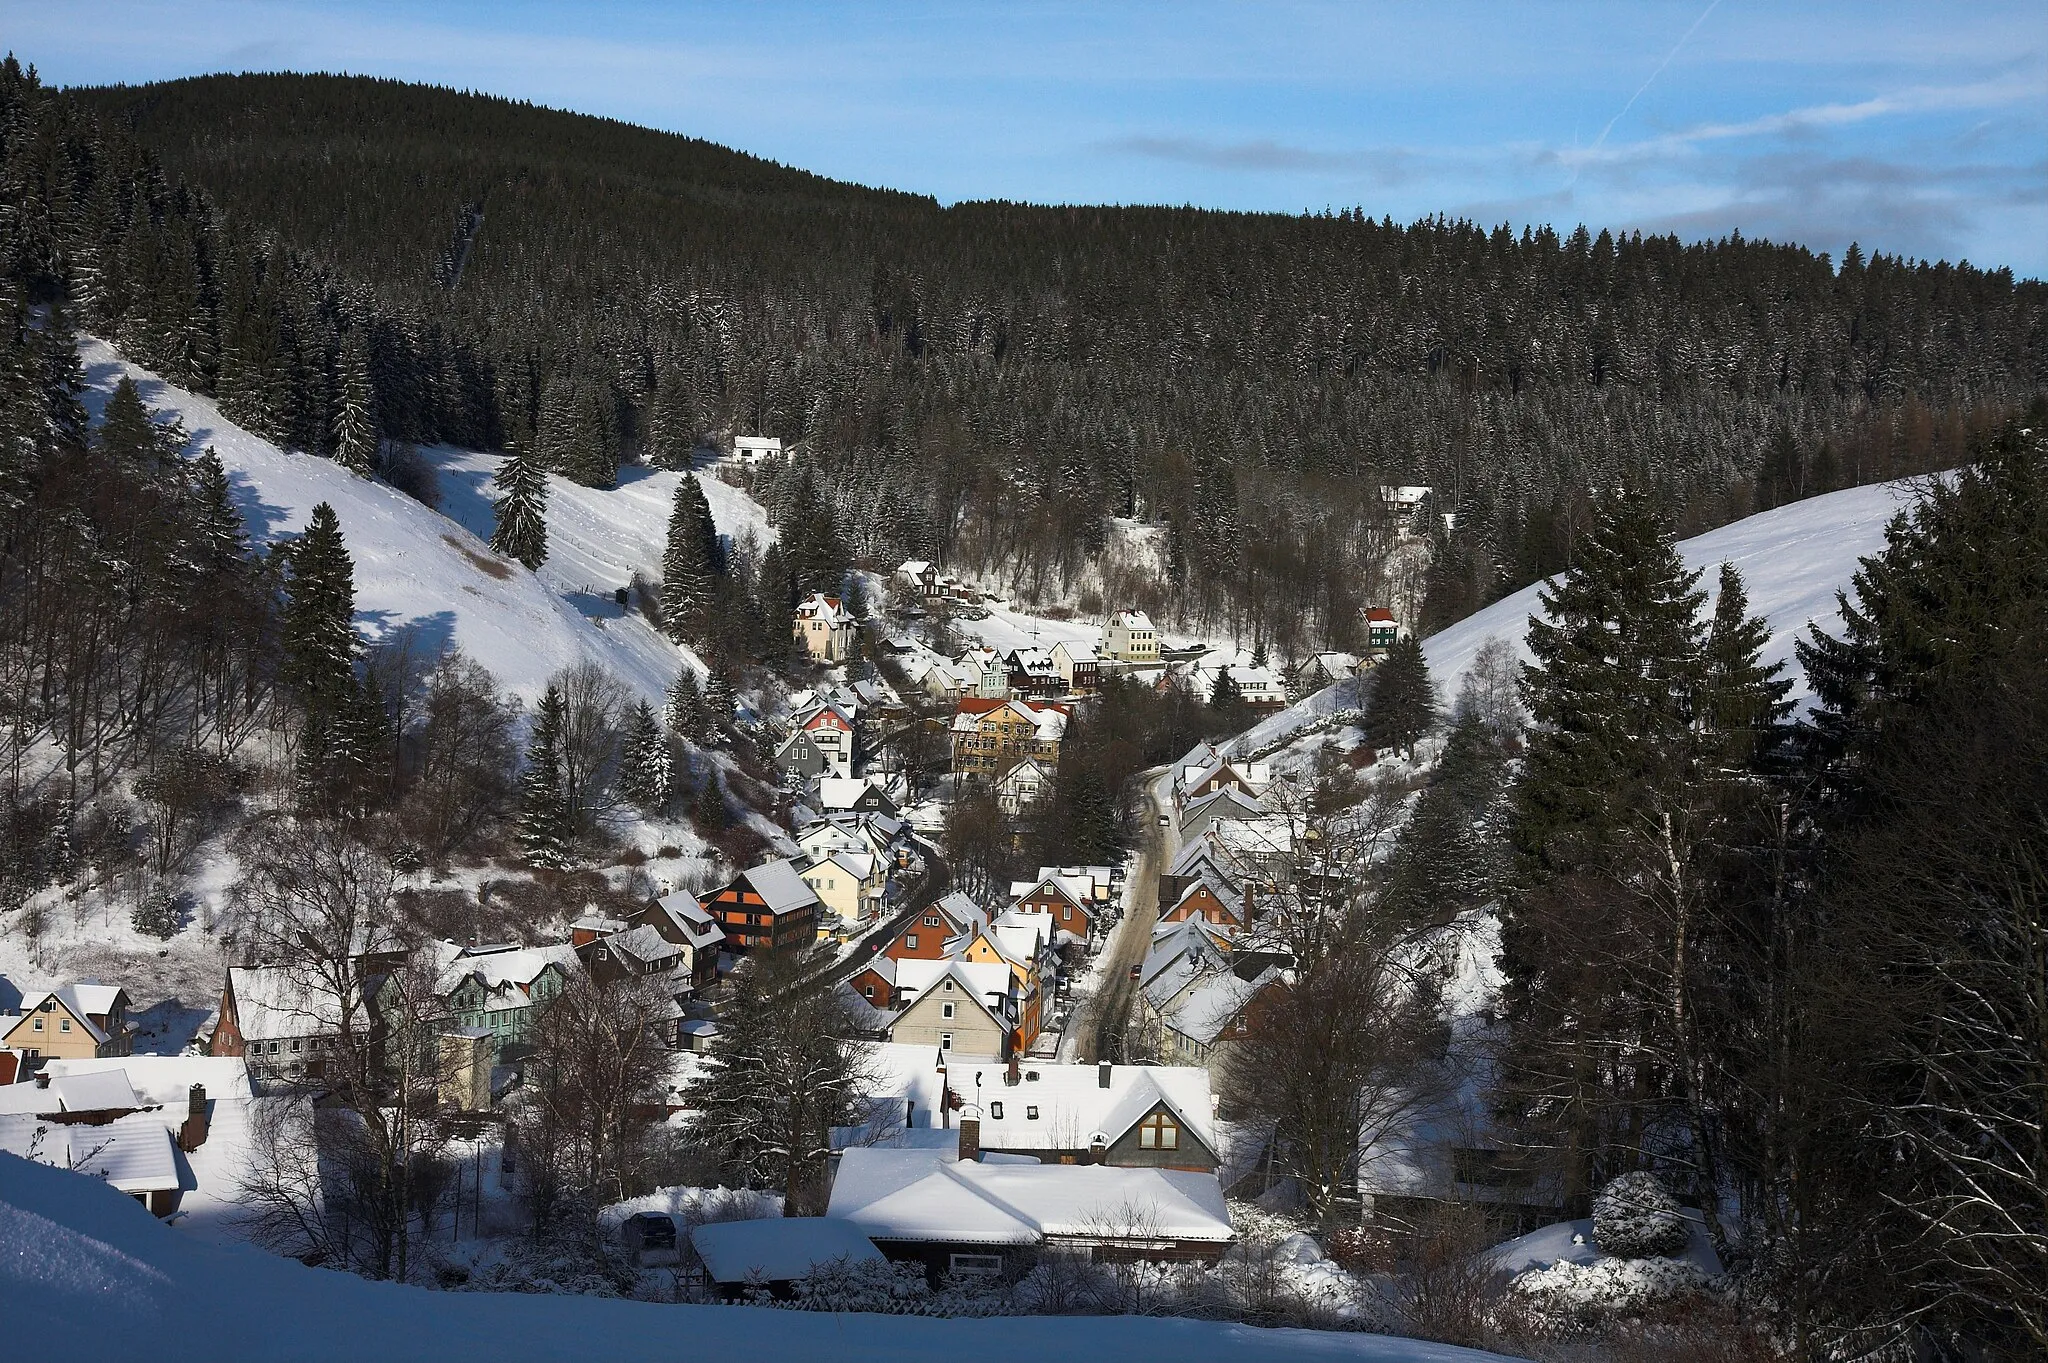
x: 749, y: 449
x: 1021, y: 785
x: 1129, y: 637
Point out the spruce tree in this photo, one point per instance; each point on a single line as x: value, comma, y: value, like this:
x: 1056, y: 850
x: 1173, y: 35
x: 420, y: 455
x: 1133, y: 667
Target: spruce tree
x: 689, y: 565
x: 644, y: 762
x: 1742, y: 707
x: 544, y: 818
x: 684, y: 712
x: 317, y: 622
x: 1402, y: 708
x: 126, y: 433
x: 522, y: 507
x: 355, y: 427
x: 718, y: 704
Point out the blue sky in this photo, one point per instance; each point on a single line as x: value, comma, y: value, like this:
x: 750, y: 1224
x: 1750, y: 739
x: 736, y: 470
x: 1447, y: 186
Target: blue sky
x: 1920, y: 129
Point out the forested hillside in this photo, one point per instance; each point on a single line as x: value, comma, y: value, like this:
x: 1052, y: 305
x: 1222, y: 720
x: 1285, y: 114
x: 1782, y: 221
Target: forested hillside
x: 990, y: 382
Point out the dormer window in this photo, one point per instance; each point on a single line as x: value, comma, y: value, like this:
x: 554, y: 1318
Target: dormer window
x: 1159, y: 1132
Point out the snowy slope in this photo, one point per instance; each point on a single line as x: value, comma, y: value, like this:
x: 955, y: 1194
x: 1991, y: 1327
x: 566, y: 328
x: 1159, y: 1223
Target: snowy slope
x: 1793, y: 560
x: 87, y: 1273
x: 597, y: 539
x: 415, y: 569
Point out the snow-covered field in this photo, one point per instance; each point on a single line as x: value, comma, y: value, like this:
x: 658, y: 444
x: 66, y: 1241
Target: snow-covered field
x: 88, y: 1272
x: 416, y: 569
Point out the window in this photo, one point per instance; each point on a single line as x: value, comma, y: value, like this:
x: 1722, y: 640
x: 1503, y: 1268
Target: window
x: 945, y: 1041
x: 949, y: 985
x: 931, y: 920
x: 1066, y: 911
x: 995, y: 1112
x: 295, y: 1045
x: 39, y: 1025
x: 976, y: 1265
x: 273, y: 1048
x: 946, y: 1010
x: 910, y: 941
x: 64, y: 1025
x: 1159, y: 1132
x: 868, y: 990
x: 1031, y: 1112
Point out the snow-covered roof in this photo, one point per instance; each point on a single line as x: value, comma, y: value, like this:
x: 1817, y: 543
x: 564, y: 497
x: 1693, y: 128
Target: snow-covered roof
x: 1132, y: 620
x: 778, y: 1249
x: 914, y: 567
x: 1051, y: 1107
x: 277, y: 1001
x: 95, y: 1092
x: 1193, y: 945
x: 691, y: 918
x: 1214, y: 881
x: 643, y: 944
x: 987, y: 981
x: 826, y: 608
x: 927, y: 1195
x: 498, y: 967
x: 1204, y: 1010
x: 779, y: 885
x: 841, y: 792
x: 84, y: 1000
x: 132, y: 1153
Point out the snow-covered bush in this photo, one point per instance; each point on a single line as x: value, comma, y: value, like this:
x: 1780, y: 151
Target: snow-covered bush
x: 1636, y: 1217
x: 159, y: 914
x: 879, y: 1287
x: 1567, y: 1295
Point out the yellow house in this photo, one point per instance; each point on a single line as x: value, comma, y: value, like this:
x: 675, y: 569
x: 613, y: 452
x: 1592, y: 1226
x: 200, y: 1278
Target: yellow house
x: 84, y: 1021
x: 846, y: 883
x: 990, y: 735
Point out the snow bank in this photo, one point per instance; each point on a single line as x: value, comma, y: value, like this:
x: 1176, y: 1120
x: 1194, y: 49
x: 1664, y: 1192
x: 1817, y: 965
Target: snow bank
x: 415, y: 569
x: 87, y: 1272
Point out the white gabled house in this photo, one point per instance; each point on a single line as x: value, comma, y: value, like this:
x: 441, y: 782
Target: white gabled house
x: 825, y: 628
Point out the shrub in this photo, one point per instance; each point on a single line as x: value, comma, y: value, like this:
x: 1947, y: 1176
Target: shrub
x: 159, y: 914
x: 1636, y: 1217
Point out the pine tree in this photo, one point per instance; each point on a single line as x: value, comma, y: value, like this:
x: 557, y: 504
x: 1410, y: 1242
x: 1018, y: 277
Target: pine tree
x: 215, y: 523
x: 718, y: 704
x: 671, y: 424
x: 1743, y: 705
x: 320, y: 648
x: 544, y: 819
x: 689, y: 565
x: 355, y: 427
x: 1618, y: 664
x: 126, y: 433
x: 1224, y: 697
x: 522, y: 507
x: 1402, y: 708
x: 644, y: 762
x: 684, y: 712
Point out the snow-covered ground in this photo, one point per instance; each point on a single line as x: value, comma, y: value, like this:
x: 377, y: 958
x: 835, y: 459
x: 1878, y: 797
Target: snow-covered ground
x: 88, y: 1272
x: 414, y: 569
x: 597, y: 538
x: 1792, y: 559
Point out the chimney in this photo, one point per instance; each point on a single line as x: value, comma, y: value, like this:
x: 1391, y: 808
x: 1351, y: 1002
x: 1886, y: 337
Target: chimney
x: 1011, y: 1076
x: 192, y: 1134
x: 42, y: 1079
x: 1102, y: 1075
x: 970, y: 1134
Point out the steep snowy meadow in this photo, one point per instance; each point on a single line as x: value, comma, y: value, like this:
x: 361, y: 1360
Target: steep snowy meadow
x: 88, y: 1272
x: 417, y: 570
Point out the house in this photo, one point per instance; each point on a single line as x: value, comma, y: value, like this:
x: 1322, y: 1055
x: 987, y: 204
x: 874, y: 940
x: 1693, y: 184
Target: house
x: 830, y: 728
x: 638, y: 953
x: 1077, y: 664
x: 1032, y: 672
x: 1130, y: 638
x: 1258, y: 686
x: 1382, y: 630
x: 848, y: 885
x: 800, y: 760
x: 952, y: 1005
x: 282, y: 1022
x: 1127, y: 1116
x: 500, y: 990
x: 945, y: 679
x: 1402, y: 503
x: 930, y: 935
x: 1198, y: 1022
x: 1210, y: 898
x: 687, y: 925
x: 1229, y: 802
x: 962, y: 1215
x: 1198, y: 779
x: 1021, y: 785
x: 135, y: 1153
x: 751, y: 449
x: 989, y: 671
x: 853, y: 794
x: 825, y: 628
x: 71, y: 1022
x: 988, y: 735
x: 1321, y: 670
x: 774, y: 1252
x: 768, y: 907
x: 1067, y: 901
x: 919, y: 577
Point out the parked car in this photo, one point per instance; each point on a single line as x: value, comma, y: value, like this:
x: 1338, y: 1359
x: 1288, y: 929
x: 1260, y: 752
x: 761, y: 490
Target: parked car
x: 1166, y: 820
x: 651, y: 1238
x: 1138, y: 971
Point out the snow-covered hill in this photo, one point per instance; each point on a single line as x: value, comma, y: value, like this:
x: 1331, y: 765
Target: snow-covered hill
x: 597, y: 539
x: 88, y: 1273
x: 1792, y: 559
x: 419, y: 570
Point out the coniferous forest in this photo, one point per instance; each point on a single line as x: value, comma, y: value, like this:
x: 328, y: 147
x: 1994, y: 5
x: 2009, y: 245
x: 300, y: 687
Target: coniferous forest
x: 989, y: 383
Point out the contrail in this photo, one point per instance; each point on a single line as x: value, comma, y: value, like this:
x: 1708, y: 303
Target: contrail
x: 1601, y: 140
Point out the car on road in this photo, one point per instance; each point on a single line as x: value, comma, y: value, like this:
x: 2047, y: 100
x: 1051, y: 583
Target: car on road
x: 1137, y: 971
x: 1166, y: 820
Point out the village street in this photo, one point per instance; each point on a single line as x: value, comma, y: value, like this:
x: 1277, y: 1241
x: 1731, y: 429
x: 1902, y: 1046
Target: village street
x: 1106, y: 1016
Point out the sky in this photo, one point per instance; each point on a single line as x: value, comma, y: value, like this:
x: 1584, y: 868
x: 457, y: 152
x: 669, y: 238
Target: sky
x: 1915, y: 129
